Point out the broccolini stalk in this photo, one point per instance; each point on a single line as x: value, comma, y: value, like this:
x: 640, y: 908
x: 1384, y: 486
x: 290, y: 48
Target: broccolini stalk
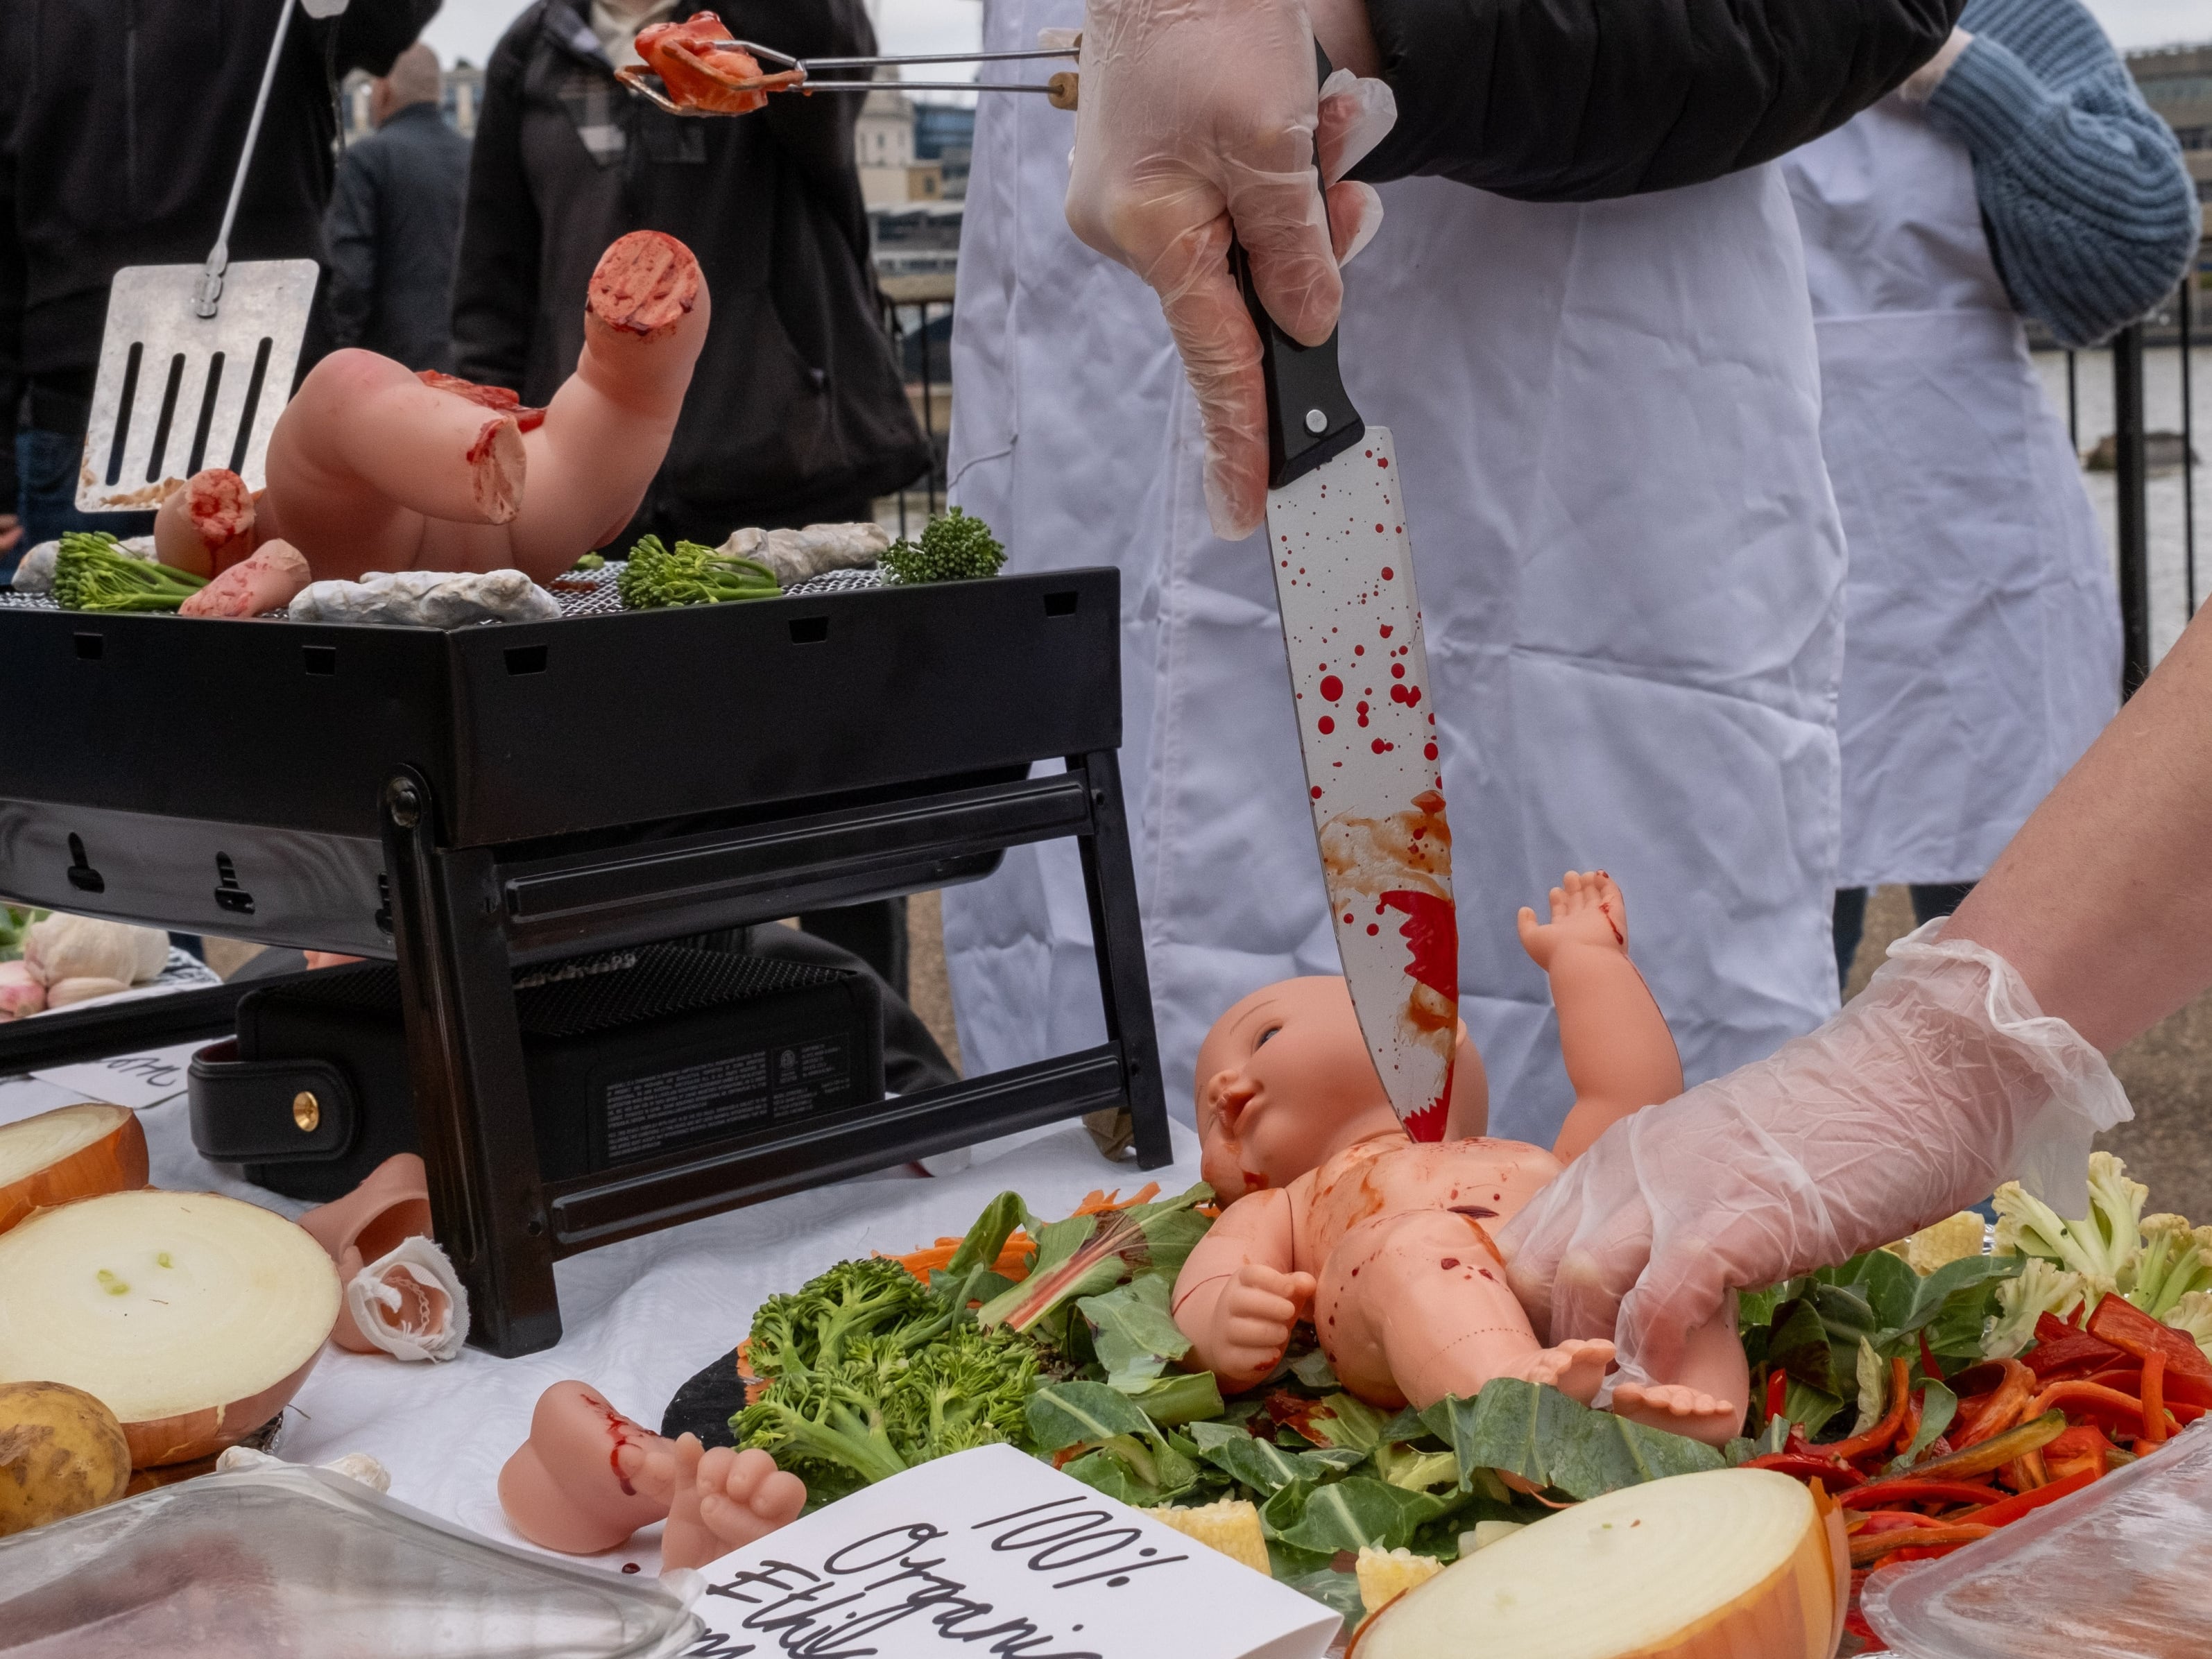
x: 90, y: 574
x: 691, y: 574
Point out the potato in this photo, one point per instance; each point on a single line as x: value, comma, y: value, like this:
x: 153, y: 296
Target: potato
x: 61, y: 1453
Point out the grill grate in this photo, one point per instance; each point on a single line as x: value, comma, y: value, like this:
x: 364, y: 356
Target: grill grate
x: 580, y: 593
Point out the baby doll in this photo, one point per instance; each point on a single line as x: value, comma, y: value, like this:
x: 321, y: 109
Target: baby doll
x: 1330, y: 1206
x: 373, y: 468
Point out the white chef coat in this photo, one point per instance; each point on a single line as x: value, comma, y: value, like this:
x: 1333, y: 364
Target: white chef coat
x: 1631, y: 572
x: 1983, y: 636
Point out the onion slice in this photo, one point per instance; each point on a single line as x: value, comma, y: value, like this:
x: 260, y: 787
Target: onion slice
x: 193, y: 1317
x: 1717, y: 1565
x: 72, y: 1152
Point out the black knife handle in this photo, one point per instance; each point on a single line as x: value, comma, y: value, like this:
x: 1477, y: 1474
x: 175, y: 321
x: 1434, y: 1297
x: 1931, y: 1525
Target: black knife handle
x: 1310, y: 418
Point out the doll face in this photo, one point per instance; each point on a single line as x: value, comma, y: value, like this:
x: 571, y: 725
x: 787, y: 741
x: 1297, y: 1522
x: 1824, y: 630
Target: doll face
x: 1285, y: 1081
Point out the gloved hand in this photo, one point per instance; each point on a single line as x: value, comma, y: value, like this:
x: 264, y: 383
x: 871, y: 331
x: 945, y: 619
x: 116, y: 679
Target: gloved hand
x: 1938, y: 1083
x: 1197, y: 117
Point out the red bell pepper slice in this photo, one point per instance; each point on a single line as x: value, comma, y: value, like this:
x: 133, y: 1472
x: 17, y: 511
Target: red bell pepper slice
x: 1805, y: 1467
x: 2120, y: 1323
x: 2154, y: 1400
x: 2011, y: 1508
x: 1903, y: 1489
x: 2070, y: 1353
x: 1882, y: 1434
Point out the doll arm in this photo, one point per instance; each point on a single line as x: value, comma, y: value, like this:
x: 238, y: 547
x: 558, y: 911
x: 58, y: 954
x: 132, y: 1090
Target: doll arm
x: 1237, y: 1298
x: 1620, y: 1054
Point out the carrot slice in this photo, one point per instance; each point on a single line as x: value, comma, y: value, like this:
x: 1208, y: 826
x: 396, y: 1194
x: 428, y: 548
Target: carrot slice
x: 2154, y: 1400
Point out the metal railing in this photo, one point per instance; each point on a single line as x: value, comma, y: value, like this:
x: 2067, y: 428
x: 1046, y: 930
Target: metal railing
x: 2178, y: 322
x: 915, y: 306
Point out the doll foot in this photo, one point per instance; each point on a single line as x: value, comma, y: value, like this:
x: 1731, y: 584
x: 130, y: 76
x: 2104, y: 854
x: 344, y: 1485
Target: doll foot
x: 1680, y: 1410
x: 723, y: 1500
x: 1576, y: 1368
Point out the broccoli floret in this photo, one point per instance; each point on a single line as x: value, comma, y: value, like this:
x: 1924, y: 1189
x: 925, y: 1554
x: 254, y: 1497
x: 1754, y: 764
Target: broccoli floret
x: 953, y: 548
x: 815, y: 1326
x: 833, y: 1415
x: 969, y: 1387
x: 2040, y: 1288
x: 2176, y: 1259
x: 2101, y: 1245
x: 692, y: 574
x: 90, y: 574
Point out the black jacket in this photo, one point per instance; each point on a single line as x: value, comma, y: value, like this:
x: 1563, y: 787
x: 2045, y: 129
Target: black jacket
x: 796, y: 410
x: 123, y: 120
x: 394, y: 221
x: 1575, y: 100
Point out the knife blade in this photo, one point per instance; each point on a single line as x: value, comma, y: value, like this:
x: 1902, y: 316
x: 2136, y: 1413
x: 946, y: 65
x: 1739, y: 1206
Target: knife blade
x: 1367, y: 729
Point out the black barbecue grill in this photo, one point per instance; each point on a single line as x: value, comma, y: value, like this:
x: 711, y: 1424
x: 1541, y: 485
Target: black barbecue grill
x: 472, y: 801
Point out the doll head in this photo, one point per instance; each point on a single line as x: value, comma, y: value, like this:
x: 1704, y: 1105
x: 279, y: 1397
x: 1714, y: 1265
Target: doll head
x: 1284, y: 1082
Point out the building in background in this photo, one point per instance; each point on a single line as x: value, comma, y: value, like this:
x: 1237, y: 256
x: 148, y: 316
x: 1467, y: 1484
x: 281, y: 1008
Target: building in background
x: 2177, y: 83
x: 945, y: 134
x: 891, y: 173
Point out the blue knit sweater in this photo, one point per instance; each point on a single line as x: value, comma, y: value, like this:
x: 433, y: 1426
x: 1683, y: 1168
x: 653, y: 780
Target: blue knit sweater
x: 2090, y: 214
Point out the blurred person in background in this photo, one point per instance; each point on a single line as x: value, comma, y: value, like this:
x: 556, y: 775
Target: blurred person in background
x: 394, y: 219
x: 120, y: 130
x: 2018, y: 175
x: 797, y: 413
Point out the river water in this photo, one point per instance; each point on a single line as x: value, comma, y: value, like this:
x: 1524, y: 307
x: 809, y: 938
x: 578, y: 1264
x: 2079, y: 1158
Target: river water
x: 2093, y: 379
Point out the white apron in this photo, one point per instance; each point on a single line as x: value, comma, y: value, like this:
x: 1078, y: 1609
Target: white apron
x: 1982, y: 634
x: 1629, y: 568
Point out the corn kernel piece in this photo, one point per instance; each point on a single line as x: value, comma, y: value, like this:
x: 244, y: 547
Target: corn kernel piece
x: 1230, y: 1525
x: 1384, y: 1575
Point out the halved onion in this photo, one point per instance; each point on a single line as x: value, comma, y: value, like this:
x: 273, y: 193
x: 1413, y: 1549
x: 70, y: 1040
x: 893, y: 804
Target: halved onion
x: 72, y: 1152
x: 1718, y: 1565
x: 193, y: 1317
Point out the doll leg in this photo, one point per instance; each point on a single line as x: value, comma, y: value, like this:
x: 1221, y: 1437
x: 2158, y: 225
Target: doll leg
x: 607, y: 428
x: 723, y: 1501
x: 1620, y: 1054
x: 208, y: 524
x: 366, y: 452
x: 1414, y: 1307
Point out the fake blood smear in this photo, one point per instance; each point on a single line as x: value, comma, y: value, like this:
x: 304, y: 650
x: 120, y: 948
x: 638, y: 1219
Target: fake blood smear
x: 490, y: 397
x: 1430, y: 930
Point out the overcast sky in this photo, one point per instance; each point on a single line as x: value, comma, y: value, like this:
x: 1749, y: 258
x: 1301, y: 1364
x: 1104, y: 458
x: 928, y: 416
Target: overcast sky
x: 469, y: 28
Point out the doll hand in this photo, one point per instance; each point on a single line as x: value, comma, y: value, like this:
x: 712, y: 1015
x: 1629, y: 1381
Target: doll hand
x: 723, y: 1501
x: 1585, y: 910
x: 1252, y: 1323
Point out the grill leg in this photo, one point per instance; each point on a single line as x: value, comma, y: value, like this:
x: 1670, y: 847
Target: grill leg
x: 464, y: 1069
x: 1117, y: 936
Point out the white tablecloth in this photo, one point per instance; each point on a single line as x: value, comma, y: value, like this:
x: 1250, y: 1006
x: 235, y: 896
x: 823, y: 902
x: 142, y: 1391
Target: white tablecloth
x: 638, y: 1318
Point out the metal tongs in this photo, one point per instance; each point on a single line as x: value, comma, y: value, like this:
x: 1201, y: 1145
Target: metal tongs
x: 798, y: 74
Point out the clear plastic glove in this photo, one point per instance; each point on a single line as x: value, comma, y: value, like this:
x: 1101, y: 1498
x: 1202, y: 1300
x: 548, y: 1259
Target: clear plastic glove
x: 1939, y: 1081
x: 1198, y: 117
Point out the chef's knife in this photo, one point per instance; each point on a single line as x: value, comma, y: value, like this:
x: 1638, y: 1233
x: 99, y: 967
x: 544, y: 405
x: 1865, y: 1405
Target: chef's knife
x: 1351, y: 627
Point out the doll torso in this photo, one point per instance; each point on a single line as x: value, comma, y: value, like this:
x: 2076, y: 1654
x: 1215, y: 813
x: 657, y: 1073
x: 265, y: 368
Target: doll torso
x: 1487, y: 1181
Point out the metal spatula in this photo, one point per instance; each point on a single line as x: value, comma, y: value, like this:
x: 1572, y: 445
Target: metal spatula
x: 196, y: 361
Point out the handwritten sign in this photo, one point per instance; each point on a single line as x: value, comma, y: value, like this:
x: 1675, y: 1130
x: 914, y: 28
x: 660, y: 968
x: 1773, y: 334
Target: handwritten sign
x: 136, y: 1080
x: 993, y: 1554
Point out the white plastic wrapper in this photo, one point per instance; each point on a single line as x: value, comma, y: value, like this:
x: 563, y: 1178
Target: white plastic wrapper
x: 2121, y: 1570
x: 285, y: 1561
x: 409, y: 1304
x: 34, y: 571
x: 428, y: 598
x: 797, y: 556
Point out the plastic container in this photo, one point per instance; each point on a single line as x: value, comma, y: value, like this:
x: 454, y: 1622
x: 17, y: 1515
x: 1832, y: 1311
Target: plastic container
x: 2121, y: 1570
x: 282, y: 1561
